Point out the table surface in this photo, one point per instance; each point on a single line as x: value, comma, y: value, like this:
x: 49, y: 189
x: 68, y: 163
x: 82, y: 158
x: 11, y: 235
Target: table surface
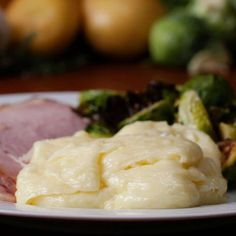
x: 121, y: 77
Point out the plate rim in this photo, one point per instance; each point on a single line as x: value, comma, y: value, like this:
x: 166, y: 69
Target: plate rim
x: 202, y: 212
x: 58, y: 95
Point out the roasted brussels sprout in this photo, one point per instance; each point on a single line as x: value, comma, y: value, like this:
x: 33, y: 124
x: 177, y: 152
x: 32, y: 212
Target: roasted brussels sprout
x: 91, y: 101
x: 228, y: 148
x: 192, y: 112
x: 227, y: 131
x: 159, y: 111
x: 220, y: 16
x: 213, y: 90
x: 214, y: 59
x: 176, y: 38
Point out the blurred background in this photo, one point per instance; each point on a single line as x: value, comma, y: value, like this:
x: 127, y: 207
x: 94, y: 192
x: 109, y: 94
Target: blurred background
x: 57, y: 36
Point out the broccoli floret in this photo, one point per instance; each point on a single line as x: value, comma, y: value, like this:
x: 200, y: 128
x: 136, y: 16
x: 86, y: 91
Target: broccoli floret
x: 213, y: 90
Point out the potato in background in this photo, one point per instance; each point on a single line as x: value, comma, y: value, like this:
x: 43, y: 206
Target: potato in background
x: 52, y: 24
x: 120, y: 27
x: 4, y: 32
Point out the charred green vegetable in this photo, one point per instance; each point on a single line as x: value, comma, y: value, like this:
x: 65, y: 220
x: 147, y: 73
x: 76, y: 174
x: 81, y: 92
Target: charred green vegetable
x: 115, y: 110
x: 159, y: 111
x: 91, y: 101
x: 228, y: 148
x: 213, y: 90
x: 106, y: 109
x: 192, y: 112
x: 206, y: 102
x: 157, y: 91
x: 227, y: 131
x: 99, y: 130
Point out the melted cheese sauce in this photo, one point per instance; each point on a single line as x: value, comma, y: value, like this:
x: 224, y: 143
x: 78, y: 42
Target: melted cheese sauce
x: 145, y: 165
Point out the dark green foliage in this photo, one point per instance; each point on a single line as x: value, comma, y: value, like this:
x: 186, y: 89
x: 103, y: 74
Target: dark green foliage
x: 159, y: 111
x: 112, y: 109
x: 214, y: 91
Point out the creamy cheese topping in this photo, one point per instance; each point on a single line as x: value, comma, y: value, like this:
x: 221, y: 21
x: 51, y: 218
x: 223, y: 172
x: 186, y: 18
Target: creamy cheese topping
x: 145, y: 165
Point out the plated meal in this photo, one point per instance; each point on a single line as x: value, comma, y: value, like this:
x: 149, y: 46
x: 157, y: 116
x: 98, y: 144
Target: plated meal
x: 165, y: 147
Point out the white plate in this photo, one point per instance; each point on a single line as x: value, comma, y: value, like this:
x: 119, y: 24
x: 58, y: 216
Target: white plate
x: 65, y: 97
x: 221, y: 210
x: 9, y: 209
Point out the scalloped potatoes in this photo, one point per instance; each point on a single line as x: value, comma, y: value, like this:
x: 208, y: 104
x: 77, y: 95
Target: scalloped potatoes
x: 145, y: 165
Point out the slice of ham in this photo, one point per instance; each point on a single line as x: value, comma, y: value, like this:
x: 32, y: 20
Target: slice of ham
x: 7, y: 188
x: 24, y: 123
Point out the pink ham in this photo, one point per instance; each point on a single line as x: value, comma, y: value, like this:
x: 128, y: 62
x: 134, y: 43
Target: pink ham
x: 24, y: 123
